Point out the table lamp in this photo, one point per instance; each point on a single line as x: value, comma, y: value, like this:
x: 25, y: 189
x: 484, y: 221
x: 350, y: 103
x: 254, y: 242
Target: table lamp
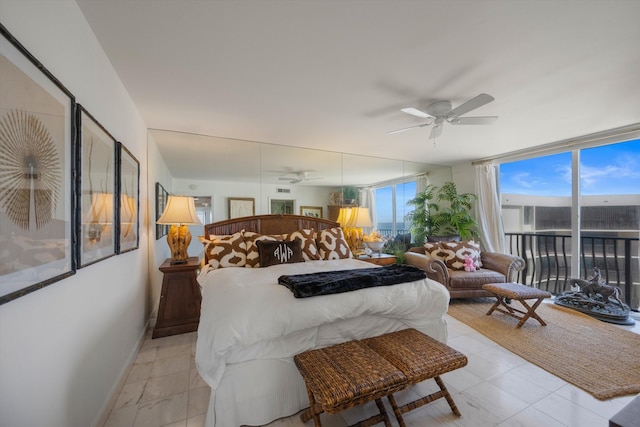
x: 359, y: 219
x: 180, y: 212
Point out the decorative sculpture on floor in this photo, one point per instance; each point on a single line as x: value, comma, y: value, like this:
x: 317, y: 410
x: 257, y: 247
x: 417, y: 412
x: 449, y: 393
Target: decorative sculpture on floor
x: 596, y: 298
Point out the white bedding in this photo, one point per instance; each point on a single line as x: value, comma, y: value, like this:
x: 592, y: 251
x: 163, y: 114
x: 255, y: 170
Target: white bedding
x: 249, y: 320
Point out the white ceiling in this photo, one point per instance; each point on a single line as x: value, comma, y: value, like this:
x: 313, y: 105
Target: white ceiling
x: 334, y: 74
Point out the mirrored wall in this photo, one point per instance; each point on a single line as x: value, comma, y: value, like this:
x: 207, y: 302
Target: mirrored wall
x: 279, y: 179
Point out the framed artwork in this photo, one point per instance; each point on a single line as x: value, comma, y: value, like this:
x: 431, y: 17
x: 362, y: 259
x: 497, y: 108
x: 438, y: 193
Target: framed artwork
x: 313, y: 211
x: 37, y: 153
x: 128, y: 200
x: 282, y: 206
x: 161, y: 202
x: 97, y: 178
x: 241, y: 206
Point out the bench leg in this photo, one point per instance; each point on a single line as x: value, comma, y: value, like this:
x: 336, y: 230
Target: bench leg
x: 396, y: 410
x: 531, y: 312
x: 313, y: 411
x: 399, y: 410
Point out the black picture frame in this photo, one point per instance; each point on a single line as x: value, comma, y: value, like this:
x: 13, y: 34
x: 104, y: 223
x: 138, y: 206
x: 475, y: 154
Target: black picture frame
x: 162, y: 196
x: 128, y: 200
x: 37, y: 205
x: 96, y: 166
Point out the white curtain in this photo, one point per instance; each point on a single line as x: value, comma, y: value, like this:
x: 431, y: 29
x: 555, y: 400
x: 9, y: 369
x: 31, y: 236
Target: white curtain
x: 488, y: 209
x: 421, y: 183
x: 368, y: 200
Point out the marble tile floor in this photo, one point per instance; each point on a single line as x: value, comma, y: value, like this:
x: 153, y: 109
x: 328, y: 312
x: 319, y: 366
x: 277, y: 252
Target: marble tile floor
x: 496, y: 388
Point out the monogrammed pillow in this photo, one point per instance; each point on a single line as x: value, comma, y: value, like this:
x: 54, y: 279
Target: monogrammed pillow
x: 226, y: 251
x: 332, y: 244
x: 454, y: 253
x: 253, y: 255
x: 307, y: 239
x: 279, y: 252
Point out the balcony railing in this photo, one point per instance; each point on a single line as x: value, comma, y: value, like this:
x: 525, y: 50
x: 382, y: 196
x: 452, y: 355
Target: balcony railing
x: 548, y: 261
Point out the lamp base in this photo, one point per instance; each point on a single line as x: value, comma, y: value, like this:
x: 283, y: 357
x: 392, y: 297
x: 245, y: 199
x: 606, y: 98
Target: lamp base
x: 178, y: 239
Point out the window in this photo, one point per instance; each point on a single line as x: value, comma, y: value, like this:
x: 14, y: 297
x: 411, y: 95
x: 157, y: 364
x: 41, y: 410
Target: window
x: 539, y: 201
x: 391, y: 207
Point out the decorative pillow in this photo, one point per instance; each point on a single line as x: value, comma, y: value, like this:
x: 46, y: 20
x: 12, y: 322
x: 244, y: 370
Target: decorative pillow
x: 279, y: 252
x: 253, y: 255
x: 226, y: 251
x: 332, y: 244
x: 433, y: 249
x: 307, y: 239
x: 455, y: 252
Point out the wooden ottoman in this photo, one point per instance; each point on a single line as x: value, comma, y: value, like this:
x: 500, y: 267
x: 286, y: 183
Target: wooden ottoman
x: 347, y: 375
x: 520, y: 293
x: 420, y: 358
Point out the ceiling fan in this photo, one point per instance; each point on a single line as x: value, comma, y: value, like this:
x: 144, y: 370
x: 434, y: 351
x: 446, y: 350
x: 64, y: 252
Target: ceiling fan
x: 301, y: 176
x: 440, y: 112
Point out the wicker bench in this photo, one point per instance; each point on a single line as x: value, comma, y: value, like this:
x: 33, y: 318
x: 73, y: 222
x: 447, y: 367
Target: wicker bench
x: 420, y: 358
x: 347, y: 375
x: 515, y: 291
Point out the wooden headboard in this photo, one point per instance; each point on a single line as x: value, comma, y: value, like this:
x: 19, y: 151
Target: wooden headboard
x: 267, y: 224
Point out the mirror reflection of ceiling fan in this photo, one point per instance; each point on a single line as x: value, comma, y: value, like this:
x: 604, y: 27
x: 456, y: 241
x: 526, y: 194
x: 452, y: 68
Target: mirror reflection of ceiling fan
x: 440, y: 112
x: 297, y: 177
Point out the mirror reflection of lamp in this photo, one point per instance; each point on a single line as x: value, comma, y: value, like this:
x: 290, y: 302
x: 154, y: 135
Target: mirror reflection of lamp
x: 360, y: 218
x: 99, y: 216
x: 179, y: 212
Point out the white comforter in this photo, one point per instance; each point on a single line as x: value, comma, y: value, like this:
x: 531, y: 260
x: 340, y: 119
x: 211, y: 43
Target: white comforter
x: 247, y: 315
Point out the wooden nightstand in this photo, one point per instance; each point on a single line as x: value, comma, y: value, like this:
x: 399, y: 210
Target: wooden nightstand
x: 382, y: 259
x: 179, y: 308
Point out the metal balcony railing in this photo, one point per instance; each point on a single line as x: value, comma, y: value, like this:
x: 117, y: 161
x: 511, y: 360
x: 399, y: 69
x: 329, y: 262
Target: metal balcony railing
x: 548, y: 261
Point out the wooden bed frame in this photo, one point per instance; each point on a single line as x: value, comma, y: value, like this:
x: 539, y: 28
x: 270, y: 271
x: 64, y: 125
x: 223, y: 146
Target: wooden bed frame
x: 267, y: 224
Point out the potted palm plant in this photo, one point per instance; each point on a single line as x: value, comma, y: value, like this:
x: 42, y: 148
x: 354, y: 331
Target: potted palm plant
x: 442, y: 214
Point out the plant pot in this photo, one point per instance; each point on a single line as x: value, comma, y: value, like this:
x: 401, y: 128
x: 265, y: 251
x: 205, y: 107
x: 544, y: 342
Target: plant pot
x: 434, y: 239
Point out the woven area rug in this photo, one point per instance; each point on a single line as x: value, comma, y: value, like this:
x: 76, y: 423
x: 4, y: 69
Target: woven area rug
x: 595, y: 356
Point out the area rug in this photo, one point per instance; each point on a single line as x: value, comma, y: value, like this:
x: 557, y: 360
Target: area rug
x: 597, y: 357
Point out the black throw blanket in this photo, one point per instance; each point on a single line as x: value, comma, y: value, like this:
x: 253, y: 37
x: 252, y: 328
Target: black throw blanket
x: 333, y: 282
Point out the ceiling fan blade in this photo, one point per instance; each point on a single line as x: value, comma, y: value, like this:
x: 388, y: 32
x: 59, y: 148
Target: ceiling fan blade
x: 471, y: 104
x: 480, y: 120
x: 436, y: 131
x: 416, y: 112
x: 410, y: 127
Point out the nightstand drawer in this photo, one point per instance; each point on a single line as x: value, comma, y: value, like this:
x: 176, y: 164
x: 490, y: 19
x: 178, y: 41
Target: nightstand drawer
x: 382, y: 259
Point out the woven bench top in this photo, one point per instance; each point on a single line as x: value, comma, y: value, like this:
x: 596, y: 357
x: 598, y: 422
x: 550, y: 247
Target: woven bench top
x: 348, y: 374
x: 418, y: 356
x: 515, y: 291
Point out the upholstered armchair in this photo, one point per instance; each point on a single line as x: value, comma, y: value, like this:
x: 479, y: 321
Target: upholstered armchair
x: 496, y: 268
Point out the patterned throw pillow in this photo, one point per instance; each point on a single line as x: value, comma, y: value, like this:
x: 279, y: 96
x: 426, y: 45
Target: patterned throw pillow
x: 226, y: 251
x: 253, y: 255
x: 279, y: 252
x: 333, y: 245
x: 455, y: 252
x: 307, y: 239
x: 433, y: 249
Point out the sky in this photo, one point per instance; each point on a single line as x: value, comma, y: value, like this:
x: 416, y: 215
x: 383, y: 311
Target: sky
x: 610, y: 169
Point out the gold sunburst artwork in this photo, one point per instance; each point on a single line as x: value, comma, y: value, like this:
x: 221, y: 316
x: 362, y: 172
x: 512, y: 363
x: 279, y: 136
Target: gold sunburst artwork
x: 30, y: 170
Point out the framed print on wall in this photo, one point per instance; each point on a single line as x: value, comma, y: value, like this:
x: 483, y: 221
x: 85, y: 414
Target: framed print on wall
x: 282, y: 206
x: 37, y: 143
x: 128, y: 200
x: 97, y: 176
x: 312, y: 211
x: 161, y: 202
x: 241, y: 206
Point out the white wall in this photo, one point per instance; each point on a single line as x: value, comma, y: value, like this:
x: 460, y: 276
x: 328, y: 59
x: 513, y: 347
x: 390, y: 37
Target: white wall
x: 158, y: 248
x: 64, y: 348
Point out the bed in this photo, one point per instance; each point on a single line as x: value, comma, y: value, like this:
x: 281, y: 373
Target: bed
x: 251, y: 326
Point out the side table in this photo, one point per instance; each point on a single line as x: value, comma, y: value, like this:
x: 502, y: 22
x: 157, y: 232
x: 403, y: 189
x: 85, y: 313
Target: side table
x: 179, y: 308
x: 380, y: 259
